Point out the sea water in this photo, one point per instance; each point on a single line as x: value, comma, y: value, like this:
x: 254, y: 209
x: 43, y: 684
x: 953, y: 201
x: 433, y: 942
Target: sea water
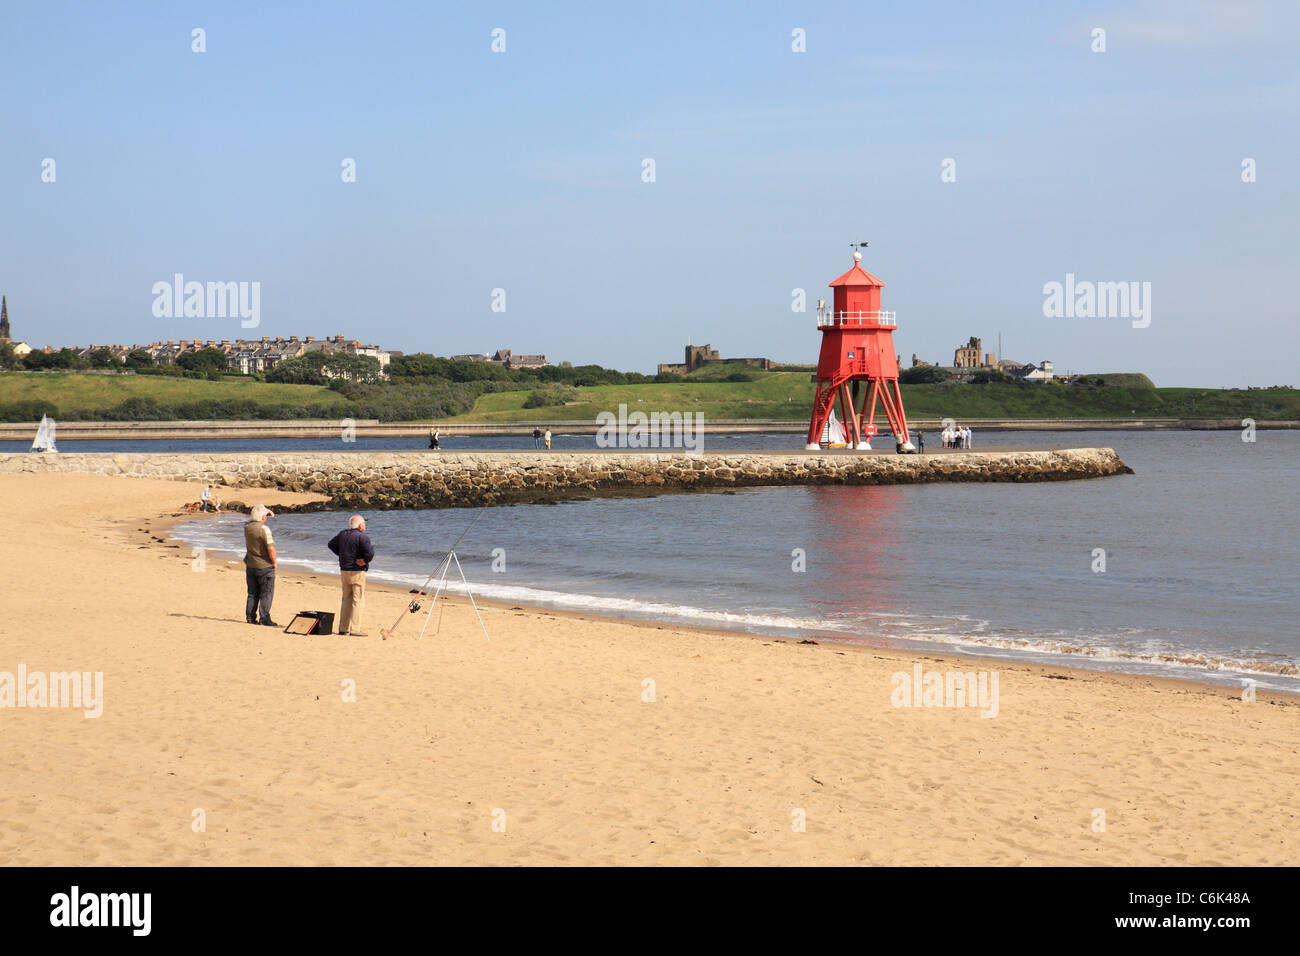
x: 1187, y: 568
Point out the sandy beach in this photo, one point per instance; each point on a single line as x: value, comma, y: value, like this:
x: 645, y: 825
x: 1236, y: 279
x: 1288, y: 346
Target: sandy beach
x: 222, y: 743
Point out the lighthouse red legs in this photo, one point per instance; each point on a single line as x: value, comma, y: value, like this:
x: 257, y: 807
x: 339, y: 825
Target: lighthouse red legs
x: 857, y: 346
x: 897, y: 420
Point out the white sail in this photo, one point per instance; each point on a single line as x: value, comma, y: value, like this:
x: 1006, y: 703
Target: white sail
x: 833, y: 434
x: 45, y: 435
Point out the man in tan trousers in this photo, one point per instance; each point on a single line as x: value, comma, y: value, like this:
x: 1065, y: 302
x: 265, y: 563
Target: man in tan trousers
x: 355, y: 554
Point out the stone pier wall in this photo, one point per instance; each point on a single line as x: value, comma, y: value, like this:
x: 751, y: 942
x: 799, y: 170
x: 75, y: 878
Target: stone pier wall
x: 433, y: 480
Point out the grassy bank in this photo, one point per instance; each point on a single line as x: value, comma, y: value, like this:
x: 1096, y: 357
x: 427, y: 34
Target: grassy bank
x: 785, y: 396
x: 85, y: 396
x: 789, y: 395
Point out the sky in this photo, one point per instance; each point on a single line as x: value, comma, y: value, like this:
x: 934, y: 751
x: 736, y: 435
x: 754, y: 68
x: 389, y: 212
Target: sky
x: 983, y: 150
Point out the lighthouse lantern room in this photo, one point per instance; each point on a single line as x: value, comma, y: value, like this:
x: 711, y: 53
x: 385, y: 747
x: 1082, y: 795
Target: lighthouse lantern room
x: 858, y: 368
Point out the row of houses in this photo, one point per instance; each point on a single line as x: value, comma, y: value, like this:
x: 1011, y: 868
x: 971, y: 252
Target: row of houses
x: 246, y: 356
x: 249, y: 356
x: 503, y: 357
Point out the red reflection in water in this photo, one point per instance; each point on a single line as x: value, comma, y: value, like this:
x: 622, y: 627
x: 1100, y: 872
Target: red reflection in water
x: 855, y: 557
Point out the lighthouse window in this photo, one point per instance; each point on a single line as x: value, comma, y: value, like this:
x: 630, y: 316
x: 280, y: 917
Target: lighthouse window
x: 850, y: 355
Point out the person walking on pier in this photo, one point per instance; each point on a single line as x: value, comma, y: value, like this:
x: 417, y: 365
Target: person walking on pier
x: 355, y: 554
x: 920, y: 442
x: 547, y: 438
x: 537, y: 438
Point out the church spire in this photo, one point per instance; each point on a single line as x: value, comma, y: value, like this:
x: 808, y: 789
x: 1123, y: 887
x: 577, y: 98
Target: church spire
x: 4, y: 320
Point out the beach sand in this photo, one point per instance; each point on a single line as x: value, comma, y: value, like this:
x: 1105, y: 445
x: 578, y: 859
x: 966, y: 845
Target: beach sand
x: 544, y: 729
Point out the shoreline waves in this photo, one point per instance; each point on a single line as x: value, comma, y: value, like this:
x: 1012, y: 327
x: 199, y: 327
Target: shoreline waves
x: 1211, y: 669
x: 601, y: 741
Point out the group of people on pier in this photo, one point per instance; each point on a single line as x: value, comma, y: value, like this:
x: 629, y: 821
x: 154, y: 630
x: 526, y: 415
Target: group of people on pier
x: 956, y: 436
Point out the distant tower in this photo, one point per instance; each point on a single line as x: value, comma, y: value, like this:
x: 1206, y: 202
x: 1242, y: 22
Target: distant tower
x: 857, y: 356
x: 4, y: 320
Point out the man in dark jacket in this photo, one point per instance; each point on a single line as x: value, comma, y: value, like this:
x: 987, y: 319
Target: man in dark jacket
x: 355, y: 554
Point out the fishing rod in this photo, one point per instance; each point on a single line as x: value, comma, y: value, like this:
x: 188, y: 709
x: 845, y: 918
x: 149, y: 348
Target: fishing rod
x: 439, y: 574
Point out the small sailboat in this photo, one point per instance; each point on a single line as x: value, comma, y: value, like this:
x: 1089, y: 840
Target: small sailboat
x: 833, y: 435
x: 45, y: 436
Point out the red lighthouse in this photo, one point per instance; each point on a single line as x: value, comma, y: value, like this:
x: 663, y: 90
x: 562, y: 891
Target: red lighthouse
x: 857, y: 365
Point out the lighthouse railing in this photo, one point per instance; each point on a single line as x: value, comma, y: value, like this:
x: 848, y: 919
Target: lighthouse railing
x: 856, y: 319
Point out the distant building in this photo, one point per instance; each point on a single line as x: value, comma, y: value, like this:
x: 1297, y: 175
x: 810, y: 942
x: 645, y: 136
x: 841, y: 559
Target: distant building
x: 376, y: 353
x: 698, y: 356
x: 338, y: 345
x: 970, y: 355
x: 165, y: 354
x: 504, y: 357
x: 1043, y: 372
x: 6, y: 334
x: 510, y: 360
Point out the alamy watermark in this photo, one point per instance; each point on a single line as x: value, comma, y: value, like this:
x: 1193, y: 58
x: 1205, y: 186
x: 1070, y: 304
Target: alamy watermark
x: 1098, y: 300
x: 73, y: 689
x: 127, y: 910
x: 945, y: 689
x: 655, y: 430
x: 212, y: 300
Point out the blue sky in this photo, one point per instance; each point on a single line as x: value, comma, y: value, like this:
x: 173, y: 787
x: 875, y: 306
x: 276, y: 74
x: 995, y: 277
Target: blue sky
x: 522, y: 170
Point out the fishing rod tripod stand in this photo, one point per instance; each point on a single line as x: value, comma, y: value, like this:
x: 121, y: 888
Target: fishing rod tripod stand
x: 440, y: 574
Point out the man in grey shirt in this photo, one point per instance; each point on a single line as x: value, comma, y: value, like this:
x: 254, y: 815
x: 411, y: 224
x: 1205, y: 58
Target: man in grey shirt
x: 259, y: 567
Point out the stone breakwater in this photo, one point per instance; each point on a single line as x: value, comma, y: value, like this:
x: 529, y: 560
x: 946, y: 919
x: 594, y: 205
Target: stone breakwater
x: 449, y: 480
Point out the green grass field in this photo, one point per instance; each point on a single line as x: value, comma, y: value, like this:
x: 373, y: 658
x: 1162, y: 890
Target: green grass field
x: 781, y: 396
x: 74, y: 390
x: 788, y: 396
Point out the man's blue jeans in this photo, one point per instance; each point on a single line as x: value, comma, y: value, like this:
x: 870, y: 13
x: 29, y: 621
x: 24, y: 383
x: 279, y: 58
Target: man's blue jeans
x: 261, y: 589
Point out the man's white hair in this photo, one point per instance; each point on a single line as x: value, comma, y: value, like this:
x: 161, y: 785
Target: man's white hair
x: 356, y: 521
x: 258, y: 512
